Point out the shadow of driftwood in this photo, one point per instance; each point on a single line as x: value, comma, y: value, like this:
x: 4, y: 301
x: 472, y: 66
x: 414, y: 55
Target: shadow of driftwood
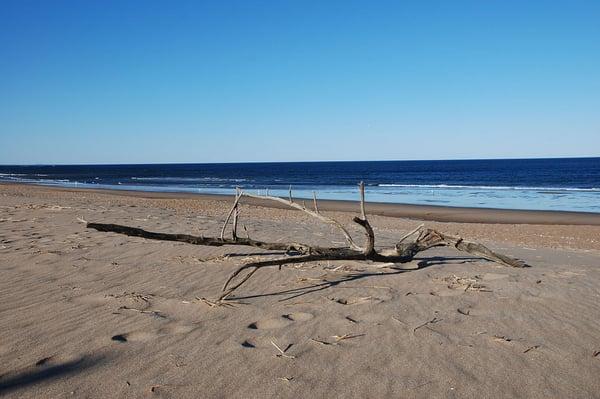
x: 422, y: 264
x: 447, y: 260
x: 332, y: 283
x: 245, y: 254
x: 37, y: 374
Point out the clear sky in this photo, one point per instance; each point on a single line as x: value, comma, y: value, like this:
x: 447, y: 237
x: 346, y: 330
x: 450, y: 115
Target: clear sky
x: 224, y: 81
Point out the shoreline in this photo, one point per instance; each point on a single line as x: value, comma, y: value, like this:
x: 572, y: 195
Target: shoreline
x: 409, y: 211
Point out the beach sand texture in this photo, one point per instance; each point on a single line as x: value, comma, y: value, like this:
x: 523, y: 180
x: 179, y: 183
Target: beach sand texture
x: 91, y: 314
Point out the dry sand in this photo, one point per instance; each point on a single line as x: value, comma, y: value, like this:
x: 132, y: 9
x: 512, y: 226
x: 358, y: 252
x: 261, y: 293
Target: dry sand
x: 91, y: 314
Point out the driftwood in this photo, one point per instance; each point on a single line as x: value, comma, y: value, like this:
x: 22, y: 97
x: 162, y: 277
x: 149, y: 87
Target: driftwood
x: 404, y: 251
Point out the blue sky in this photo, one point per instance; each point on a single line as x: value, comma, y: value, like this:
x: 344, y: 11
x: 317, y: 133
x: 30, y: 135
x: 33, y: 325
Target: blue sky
x: 226, y: 81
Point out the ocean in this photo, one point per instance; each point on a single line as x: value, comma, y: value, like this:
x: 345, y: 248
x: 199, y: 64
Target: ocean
x: 567, y: 184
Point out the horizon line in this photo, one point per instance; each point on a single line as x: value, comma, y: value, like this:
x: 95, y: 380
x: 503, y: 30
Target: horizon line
x: 309, y: 161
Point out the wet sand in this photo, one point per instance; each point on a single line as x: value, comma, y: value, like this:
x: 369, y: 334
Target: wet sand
x: 409, y: 211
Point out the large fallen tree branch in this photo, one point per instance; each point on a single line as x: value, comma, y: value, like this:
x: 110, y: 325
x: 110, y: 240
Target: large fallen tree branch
x: 402, y: 252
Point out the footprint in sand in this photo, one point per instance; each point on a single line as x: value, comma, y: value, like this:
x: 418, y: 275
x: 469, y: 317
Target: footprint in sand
x: 56, y: 359
x: 94, y: 299
x: 280, y: 322
x: 269, y: 324
x: 135, y: 336
x: 60, y: 359
x: 128, y: 300
x: 360, y: 300
x: 176, y: 328
x: 275, y: 323
x: 449, y: 292
x: 248, y: 344
x: 144, y: 336
x: 298, y: 316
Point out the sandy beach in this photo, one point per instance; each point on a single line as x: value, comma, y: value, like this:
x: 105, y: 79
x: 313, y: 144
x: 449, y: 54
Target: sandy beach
x: 92, y: 314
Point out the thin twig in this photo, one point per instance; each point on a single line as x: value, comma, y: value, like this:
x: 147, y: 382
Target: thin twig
x: 419, y: 227
x: 236, y: 214
x: 303, y: 208
x: 363, y: 213
x: 432, y: 321
x: 282, y: 352
x: 531, y: 348
x: 215, y: 303
x: 233, y: 208
x: 339, y: 338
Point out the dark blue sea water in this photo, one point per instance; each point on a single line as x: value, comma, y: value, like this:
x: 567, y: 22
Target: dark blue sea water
x: 550, y: 184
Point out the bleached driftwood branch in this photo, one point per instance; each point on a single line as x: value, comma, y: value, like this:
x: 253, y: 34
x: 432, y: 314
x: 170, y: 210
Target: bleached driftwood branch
x: 402, y: 252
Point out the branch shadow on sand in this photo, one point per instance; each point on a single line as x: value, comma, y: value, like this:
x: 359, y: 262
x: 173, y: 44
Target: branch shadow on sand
x: 446, y: 260
x: 39, y: 373
x: 422, y: 263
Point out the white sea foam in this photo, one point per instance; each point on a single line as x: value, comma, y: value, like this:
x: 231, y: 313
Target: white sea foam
x: 513, y: 197
x: 451, y: 186
x: 39, y: 181
x: 187, y: 179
